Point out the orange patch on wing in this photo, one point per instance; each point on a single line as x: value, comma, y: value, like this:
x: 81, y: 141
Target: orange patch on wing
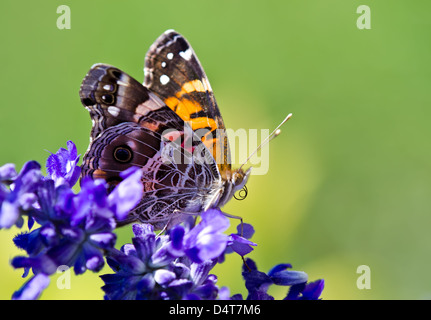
x: 182, y: 106
x: 150, y: 125
x: 186, y: 107
x: 99, y: 174
x: 199, y: 123
x: 191, y: 86
x: 172, y: 102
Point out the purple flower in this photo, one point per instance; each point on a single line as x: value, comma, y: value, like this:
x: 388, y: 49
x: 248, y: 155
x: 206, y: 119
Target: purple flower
x: 74, y: 229
x: 93, y: 198
x: 90, y: 201
x: 238, y: 242
x: 306, y: 291
x: 62, y: 166
x: 17, y: 192
x: 7, y: 172
x: 257, y: 282
x: 207, y: 241
x: 126, y: 194
x: 173, y: 266
x: 77, y: 230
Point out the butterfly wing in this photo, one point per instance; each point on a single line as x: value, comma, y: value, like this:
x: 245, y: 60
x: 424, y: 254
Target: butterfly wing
x: 111, y: 96
x: 174, y: 73
x: 133, y: 127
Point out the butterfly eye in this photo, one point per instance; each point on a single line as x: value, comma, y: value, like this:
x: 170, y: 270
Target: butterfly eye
x: 238, y: 177
x: 123, y: 154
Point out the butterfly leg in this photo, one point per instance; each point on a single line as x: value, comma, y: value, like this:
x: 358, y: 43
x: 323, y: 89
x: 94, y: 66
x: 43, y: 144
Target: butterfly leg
x: 236, y: 217
x: 175, y: 213
x: 214, y: 200
x: 242, y: 232
x: 164, y: 228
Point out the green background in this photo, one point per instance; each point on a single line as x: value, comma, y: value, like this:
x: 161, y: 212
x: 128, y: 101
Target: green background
x: 349, y: 178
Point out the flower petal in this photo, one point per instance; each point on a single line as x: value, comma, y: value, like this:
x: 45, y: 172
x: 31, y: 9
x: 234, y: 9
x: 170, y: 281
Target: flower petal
x: 62, y: 166
x: 33, y: 288
x: 289, y: 278
x: 279, y: 267
x: 104, y: 240
x: 313, y: 290
x: 163, y: 276
x: 141, y: 229
x: 9, y: 214
x: 246, y: 229
x: 241, y: 245
x: 7, y: 172
x: 127, y: 193
x: 199, y: 271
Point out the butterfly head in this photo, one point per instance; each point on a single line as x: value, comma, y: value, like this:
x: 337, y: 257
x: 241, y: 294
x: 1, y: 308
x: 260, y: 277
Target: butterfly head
x: 239, y: 179
x: 233, y: 181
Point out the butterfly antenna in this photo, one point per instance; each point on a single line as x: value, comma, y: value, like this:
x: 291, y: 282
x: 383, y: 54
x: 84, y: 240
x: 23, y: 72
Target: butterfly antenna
x: 273, y: 135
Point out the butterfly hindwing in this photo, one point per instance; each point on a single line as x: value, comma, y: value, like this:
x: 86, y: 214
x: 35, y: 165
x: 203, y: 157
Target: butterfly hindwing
x: 174, y: 73
x: 169, y: 185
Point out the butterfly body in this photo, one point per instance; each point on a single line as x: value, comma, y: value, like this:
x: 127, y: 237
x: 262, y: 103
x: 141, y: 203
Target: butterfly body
x: 170, y: 127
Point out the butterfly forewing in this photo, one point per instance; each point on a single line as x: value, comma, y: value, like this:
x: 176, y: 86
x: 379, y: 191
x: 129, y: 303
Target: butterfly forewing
x: 174, y: 73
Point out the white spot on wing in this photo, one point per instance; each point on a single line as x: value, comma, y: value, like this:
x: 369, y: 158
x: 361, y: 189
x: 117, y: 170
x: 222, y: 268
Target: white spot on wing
x: 164, y: 79
x: 186, y: 55
x: 163, y: 64
x: 115, y: 111
x: 122, y: 83
x: 170, y: 56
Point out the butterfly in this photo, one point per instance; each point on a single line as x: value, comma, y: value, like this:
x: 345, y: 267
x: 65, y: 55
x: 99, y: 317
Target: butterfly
x: 170, y: 126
